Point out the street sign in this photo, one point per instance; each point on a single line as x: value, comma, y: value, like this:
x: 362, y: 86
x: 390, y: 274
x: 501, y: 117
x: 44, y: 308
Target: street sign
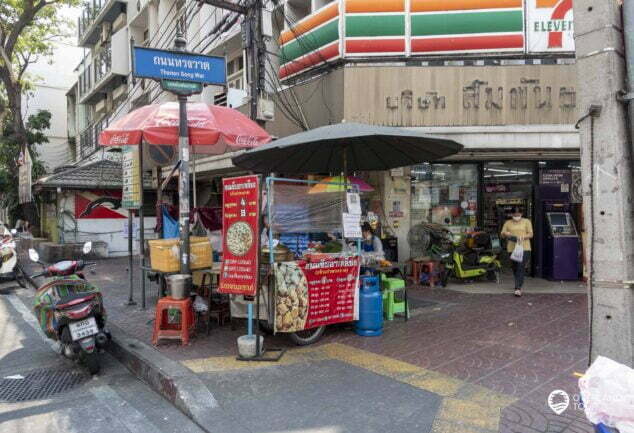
x: 179, y: 65
x: 184, y: 88
x: 130, y: 161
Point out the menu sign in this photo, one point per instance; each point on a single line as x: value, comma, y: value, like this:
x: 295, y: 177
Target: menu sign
x: 316, y: 293
x: 240, y: 227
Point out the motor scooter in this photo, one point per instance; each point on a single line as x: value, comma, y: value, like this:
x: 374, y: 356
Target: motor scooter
x: 10, y: 268
x: 70, y: 309
x: 474, y: 257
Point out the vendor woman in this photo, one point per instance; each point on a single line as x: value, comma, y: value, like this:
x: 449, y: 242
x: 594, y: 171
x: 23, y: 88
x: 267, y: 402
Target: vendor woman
x: 371, y: 244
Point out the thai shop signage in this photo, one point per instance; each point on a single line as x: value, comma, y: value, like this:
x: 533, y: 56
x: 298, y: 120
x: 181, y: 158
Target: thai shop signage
x: 240, y: 235
x: 25, y: 178
x: 549, y: 25
x: 180, y: 66
x: 130, y: 164
x: 316, y: 293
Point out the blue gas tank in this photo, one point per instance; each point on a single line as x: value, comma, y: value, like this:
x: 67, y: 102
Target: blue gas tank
x: 370, y: 323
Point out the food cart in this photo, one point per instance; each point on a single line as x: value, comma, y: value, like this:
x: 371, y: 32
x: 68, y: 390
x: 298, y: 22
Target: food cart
x: 319, y: 285
x: 307, y: 269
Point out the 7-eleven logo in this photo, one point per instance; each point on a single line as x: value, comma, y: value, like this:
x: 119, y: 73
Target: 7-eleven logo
x: 556, y: 26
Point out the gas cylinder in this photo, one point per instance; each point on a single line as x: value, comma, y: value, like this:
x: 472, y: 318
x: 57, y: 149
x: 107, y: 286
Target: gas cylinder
x: 370, y: 323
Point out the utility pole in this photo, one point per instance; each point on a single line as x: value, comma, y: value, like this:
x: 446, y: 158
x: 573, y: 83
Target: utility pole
x: 183, y: 150
x: 254, y: 46
x: 606, y: 156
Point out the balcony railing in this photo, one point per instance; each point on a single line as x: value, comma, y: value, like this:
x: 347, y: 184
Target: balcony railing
x: 95, y: 71
x: 90, y: 11
x: 89, y: 137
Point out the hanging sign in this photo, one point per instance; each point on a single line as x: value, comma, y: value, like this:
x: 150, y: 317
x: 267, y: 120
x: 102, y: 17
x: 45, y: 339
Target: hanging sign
x: 316, y: 293
x: 25, y: 177
x: 549, y: 26
x: 130, y: 163
x: 240, y: 235
x: 179, y: 66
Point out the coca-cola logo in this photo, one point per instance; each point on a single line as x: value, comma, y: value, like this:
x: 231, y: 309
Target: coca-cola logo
x: 120, y: 139
x: 246, y: 140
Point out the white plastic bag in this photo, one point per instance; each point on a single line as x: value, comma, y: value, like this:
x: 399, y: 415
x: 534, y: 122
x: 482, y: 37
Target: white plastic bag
x: 518, y: 252
x: 607, y: 392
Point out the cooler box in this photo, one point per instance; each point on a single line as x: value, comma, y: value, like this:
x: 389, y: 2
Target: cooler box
x: 164, y: 254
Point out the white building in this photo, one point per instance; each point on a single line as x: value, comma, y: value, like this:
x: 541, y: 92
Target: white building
x: 53, y: 77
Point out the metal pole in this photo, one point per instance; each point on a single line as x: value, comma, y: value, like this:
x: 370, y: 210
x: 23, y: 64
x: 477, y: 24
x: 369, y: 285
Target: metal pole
x: 141, y: 227
x: 130, y: 257
x: 252, y: 41
x: 183, y: 179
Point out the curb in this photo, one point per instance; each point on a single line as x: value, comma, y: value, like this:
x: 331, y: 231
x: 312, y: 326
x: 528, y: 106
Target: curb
x: 174, y: 382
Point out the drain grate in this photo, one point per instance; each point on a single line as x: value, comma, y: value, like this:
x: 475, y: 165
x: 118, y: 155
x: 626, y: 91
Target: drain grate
x: 38, y: 384
x: 420, y: 303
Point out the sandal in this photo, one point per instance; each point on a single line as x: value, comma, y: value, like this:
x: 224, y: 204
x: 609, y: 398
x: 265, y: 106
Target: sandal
x: 518, y: 292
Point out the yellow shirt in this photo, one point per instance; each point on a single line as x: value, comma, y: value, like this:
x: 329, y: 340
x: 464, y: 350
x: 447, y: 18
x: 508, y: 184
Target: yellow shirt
x: 519, y: 229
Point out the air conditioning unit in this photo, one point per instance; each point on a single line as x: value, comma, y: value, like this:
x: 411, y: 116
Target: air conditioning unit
x: 120, y: 91
x: 236, y: 97
x: 100, y: 106
x: 119, y: 22
x: 266, y: 110
x: 106, y: 31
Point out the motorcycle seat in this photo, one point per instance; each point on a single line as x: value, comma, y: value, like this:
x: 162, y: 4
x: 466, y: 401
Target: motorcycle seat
x: 74, y: 299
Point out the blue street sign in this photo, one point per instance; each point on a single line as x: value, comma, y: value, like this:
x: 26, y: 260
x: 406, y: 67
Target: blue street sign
x: 174, y: 65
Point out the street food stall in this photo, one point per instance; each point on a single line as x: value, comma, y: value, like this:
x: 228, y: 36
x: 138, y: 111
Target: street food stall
x: 318, y: 288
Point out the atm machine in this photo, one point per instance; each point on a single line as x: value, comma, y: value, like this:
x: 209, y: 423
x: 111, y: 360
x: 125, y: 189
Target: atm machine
x: 561, y: 261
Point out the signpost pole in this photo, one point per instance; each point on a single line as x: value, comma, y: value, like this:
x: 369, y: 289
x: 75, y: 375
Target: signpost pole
x: 130, y: 257
x: 183, y: 190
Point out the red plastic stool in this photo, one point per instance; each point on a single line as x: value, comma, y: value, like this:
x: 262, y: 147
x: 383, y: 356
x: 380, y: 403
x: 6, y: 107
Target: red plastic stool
x: 417, y: 268
x: 431, y: 268
x: 163, y: 329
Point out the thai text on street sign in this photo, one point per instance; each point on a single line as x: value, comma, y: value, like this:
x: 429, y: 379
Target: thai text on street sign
x: 25, y: 177
x: 240, y: 235
x: 131, y: 198
x: 180, y: 66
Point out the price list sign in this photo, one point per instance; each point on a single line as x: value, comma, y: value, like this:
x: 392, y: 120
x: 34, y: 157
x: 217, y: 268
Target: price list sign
x: 240, y: 237
x: 130, y: 161
x: 317, y: 293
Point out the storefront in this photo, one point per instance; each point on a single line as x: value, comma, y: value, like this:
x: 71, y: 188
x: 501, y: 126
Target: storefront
x: 465, y: 196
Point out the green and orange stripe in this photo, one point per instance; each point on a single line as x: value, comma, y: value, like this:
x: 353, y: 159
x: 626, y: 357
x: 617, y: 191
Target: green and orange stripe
x: 313, y: 40
x: 375, y: 27
x: 439, y: 26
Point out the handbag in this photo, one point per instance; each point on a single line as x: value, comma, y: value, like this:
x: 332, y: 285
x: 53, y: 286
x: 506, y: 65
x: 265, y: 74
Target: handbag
x: 518, y: 253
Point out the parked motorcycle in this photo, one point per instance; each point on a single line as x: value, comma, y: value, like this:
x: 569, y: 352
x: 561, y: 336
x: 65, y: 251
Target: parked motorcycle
x: 10, y: 268
x: 475, y: 256
x: 70, y: 309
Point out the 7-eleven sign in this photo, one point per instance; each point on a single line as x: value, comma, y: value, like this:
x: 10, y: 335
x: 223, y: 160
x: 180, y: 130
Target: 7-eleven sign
x: 549, y: 25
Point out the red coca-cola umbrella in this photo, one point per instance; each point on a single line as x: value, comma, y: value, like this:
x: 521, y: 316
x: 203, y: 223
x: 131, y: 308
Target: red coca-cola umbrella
x: 213, y: 130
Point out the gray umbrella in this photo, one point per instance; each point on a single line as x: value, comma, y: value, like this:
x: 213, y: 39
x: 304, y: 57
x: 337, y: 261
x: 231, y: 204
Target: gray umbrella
x: 346, y: 146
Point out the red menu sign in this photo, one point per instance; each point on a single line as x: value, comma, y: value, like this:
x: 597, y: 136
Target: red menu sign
x: 240, y: 235
x: 316, y: 293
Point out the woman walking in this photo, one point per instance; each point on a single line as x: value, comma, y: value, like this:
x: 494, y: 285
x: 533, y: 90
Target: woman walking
x: 518, y: 229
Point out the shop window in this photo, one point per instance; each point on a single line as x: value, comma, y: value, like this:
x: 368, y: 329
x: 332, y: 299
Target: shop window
x: 445, y: 194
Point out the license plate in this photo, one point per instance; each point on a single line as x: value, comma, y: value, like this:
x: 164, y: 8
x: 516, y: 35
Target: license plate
x: 83, y: 328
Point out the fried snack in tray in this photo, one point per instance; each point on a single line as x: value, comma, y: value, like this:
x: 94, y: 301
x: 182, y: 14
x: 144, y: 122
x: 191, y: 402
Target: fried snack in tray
x: 291, y: 309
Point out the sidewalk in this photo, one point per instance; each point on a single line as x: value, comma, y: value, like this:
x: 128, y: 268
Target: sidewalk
x: 467, y: 360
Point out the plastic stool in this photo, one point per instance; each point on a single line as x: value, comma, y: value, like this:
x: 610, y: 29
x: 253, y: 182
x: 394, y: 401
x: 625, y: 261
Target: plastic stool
x: 417, y: 267
x: 431, y: 268
x: 163, y: 329
x: 391, y: 305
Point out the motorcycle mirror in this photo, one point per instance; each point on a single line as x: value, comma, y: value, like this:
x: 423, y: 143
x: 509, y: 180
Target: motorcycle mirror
x: 33, y: 255
x: 87, y: 247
